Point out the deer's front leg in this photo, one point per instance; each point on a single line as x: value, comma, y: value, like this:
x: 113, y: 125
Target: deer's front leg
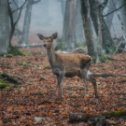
x: 60, y: 77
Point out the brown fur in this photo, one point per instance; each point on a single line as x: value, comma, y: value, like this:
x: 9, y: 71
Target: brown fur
x: 73, y: 62
x: 73, y: 57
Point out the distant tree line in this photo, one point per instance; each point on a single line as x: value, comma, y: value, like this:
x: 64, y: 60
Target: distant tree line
x: 10, y: 13
x: 84, y: 17
x: 94, y: 23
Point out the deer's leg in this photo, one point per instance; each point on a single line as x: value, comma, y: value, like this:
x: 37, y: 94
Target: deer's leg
x: 92, y: 79
x: 87, y: 76
x: 60, y: 78
x: 85, y: 87
x: 83, y: 76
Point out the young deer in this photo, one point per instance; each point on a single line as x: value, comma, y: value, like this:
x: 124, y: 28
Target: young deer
x: 67, y: 64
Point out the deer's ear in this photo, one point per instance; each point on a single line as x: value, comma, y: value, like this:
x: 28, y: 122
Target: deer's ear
x: 54, y: 36
x: 40, y: 36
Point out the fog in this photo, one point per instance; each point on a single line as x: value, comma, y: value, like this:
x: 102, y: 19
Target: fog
x: 46, y: 17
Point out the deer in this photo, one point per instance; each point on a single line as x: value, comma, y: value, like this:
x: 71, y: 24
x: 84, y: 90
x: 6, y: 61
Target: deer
x: 68, y: 64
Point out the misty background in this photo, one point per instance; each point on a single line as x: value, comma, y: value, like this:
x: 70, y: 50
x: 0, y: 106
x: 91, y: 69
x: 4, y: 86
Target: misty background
x: 48, y: 16
x: 66, y: 18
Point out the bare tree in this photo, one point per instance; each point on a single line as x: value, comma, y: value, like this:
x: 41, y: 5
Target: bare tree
x: 124, y: 2
x: 27, y: 21
x: 97, y: 8
x: 80, y: 40
x: 109, y: 18
x: 100, y: 51
x: 4, y: 26
x: 96, y: 17
x: 85, y: 11
x: 69, y: 28
x: 15, y: 14
x: 62, y: 3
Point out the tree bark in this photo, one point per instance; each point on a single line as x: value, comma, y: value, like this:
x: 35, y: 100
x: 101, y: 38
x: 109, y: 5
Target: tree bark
x: 100, y: 50
x: 108, y: 43
x: 27, y: 21
x: 14, y: 14
x: 80, y: 39
x: 97, y: 12
x: 62, y: 2
x: 4, y: 26
x: 69, y: 31
x: 94, y: 15
x: 85, y: 11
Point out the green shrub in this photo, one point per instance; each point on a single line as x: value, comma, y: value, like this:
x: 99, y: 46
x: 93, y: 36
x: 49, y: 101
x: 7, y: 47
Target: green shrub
x: 23, y: 64
x: 104, y: 58
x: 13, y: 51
x: 4, y: 85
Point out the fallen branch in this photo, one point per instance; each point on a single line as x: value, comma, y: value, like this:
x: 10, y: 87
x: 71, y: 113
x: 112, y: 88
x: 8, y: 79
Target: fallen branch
x: 95, y: 119
x: 11, y: 79
x: 87, y: 118
x: 122, y: 81
x: 110, y: 58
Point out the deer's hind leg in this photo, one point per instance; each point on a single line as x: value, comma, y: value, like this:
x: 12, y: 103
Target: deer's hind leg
x: 88, y: 76
x: 83, y: 77
x: 94, y: 83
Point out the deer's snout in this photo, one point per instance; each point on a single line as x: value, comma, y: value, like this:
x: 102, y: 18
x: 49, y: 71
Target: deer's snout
x: 45, y: 45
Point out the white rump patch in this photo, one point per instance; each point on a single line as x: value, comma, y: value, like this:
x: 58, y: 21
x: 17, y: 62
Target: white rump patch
x: 89, y: 73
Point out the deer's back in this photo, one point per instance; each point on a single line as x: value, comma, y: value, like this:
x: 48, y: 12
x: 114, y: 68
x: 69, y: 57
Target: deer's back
x: 73, y: 61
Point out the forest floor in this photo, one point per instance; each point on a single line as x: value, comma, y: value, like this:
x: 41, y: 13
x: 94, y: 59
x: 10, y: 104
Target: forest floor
x: 35, y: 103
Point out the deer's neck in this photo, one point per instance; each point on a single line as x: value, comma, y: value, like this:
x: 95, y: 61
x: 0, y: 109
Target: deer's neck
x: 51, y: 56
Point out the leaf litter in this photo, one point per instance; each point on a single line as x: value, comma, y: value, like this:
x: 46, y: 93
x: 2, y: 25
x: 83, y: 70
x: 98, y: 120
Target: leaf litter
x: 35, y: 102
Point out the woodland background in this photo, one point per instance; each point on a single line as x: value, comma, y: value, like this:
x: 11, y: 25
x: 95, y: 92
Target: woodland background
x: 27, y: 85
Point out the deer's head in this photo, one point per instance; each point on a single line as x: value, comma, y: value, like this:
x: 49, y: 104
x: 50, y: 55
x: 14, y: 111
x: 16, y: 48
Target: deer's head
x: 47, y: 41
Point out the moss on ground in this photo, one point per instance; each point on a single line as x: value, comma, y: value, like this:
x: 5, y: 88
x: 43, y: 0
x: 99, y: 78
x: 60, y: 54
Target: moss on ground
x: 13, y: 51
x: 4, y: 85
x: 8, y: 82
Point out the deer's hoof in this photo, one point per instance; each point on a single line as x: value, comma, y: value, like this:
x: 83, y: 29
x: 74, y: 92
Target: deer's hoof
x: 86, y: 95
x: 60, y: 98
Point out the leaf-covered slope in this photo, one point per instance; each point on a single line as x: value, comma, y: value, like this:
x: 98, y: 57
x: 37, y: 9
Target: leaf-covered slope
x: 35, y: 101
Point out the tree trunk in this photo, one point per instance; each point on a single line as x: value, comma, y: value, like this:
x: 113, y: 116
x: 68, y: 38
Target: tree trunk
x: 85, y: 11
x: 124, y: 13
x: 69, y: 31
x: 80, y: 39
x: 97, y: 16
x: 107, y: 42
x: 100, y: 51
x: 122, y: 21
x: 27, y: 21
x: 109, y: 18
x: 62, y: 2
x: 4, y: 26
x: 93, y: 13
